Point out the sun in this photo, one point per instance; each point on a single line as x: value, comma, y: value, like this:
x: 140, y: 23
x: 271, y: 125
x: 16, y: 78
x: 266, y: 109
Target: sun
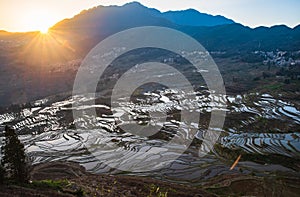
x: 42, y: 26
x: 38, y: 20
x: 43, y: 30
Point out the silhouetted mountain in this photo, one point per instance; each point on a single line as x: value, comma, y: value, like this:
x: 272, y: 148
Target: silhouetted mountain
x: 112, y: 19
x: 188, y: 17
x: 192, y: 17
x: 115, y: 18
x: 33, y: 66
x: 236, y: 37
x: 100, y: 22
x: 89, y: 27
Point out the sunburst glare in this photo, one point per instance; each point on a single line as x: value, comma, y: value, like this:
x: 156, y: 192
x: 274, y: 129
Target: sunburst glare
x: 44, y: 30
x: 47, y: 47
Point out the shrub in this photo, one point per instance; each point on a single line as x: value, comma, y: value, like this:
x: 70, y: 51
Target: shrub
x: 14, y: 158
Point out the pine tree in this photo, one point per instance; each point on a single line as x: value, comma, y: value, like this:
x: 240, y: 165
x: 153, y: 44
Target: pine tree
x: 14, y: 159
x: 2, y: 174
x: 2, y: 170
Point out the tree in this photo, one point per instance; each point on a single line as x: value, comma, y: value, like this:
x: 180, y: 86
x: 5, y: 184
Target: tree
x: 2, y: 174
x: 14, y: 159
x: 2, y: 170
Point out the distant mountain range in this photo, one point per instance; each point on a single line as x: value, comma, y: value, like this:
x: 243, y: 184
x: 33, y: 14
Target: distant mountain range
x: 33, y: 66
x: 192, y: 17
x: 213, y: 32
x: 188, y: 17
x: 135, y: 14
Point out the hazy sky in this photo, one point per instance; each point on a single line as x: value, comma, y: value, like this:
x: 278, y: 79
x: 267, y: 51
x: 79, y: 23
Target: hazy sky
x: 28, y: 15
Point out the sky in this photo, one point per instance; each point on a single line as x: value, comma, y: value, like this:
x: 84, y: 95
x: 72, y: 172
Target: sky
x: 39, y: 15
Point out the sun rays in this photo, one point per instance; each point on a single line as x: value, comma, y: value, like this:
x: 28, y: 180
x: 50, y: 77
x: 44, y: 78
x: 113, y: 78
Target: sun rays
x: 47, y: 47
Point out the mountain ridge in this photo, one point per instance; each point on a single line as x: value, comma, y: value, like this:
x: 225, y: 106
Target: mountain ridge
x: 93, y: 25
x: 89, y: 27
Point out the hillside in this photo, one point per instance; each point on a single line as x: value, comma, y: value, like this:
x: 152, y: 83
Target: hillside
x: 67, y: 179
x: 33, y: 66
x: 216, y: 33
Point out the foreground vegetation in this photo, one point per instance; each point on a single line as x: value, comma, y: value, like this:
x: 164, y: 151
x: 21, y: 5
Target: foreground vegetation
x: 13, y: 165
x: 48, y: 180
